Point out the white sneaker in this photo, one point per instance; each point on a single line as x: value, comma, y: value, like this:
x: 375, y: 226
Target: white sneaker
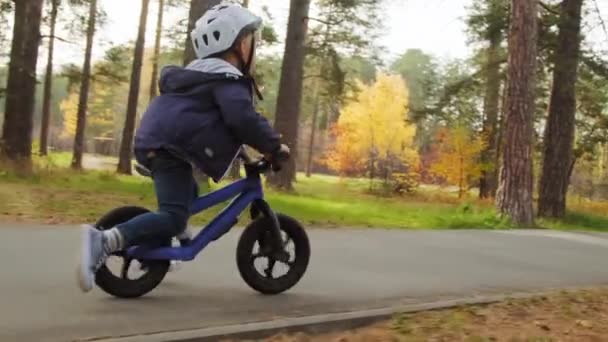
x: 92, y: 257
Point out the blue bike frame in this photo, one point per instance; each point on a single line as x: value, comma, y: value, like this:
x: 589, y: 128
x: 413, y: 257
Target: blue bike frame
x: 244, y: 192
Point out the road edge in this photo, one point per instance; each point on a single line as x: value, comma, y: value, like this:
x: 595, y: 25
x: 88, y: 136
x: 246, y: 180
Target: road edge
x: 314, y: 324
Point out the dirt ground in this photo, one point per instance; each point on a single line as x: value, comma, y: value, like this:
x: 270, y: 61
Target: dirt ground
x: 563, y: 316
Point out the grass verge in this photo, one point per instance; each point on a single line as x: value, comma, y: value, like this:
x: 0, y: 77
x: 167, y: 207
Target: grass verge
x: 564, y: 316
x: 56, y: 194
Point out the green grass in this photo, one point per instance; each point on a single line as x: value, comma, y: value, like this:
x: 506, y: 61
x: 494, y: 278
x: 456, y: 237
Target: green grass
x: 55, y: 194
x: 578, y: 221
x: 327, y: 201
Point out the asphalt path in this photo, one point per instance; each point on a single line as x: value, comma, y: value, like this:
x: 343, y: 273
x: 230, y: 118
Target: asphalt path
x: 349, y: 270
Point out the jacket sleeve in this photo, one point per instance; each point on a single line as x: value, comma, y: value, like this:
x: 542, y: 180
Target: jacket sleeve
x: 236, y: 105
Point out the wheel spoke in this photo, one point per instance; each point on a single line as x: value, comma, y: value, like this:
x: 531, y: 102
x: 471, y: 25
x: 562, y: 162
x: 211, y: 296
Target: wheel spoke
x: 287, y: 241
x: 124, y: 273
x: 256, y: 256
x: 270, y: 268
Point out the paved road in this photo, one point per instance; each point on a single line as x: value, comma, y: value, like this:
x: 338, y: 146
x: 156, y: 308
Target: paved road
x: 350, y: 270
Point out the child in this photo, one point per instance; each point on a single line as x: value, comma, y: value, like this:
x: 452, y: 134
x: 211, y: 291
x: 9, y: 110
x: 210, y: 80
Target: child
x: 204, y: 114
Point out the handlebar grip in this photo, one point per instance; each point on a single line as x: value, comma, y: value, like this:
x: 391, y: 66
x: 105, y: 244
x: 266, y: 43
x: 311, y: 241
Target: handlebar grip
x: 276, y: 167
x: 279, y: 158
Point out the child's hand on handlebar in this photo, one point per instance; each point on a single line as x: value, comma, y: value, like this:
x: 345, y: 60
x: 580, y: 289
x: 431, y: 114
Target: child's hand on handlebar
x: 279, y: 155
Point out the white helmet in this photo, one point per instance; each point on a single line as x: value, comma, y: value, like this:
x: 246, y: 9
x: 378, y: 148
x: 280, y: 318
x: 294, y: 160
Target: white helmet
x: 216, y: 31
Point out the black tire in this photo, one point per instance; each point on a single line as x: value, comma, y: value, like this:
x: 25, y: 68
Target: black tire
x: 258, y: 231
x: 118, y: 286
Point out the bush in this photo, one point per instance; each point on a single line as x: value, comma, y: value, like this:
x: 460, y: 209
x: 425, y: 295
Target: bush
x: 405, y: 183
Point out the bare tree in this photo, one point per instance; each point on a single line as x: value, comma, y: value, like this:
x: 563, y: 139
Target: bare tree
x: 48, y: 83
x: 155, y: 58
x: 81, y: 116
x: 126, y: 143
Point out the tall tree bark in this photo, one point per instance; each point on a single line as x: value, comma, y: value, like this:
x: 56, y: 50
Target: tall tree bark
x: 488, y: 181
x: 559, y: 132
x: 81, y: 117
x: 514, y: 197
x: 197, y: 9
x: 290, y: 89
x: 313, y: 130
x: 126, y: 143
x: 48, y: 83
x: 155, y: 58
x: 21, y: 83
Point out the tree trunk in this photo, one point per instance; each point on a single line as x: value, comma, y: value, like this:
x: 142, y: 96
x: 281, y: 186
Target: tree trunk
x: 461, y: 177
x: 197, y: 9
x: 126, y: 144
x: 290, y: 89
x: 81, y: 117
x: 313, y: 129
x: 559, y: 132
x: 500, y: 131
x: 155, y: 58
x: 48, y: 84
x: 514, y: 196
x: 21, y: 84
x: 246, y: 3
x: 487, y: 182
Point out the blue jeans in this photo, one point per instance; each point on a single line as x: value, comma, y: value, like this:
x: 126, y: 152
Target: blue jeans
x: 175, y: 188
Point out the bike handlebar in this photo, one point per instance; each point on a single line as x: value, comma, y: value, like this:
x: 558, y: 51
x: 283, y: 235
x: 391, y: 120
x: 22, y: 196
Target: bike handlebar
x: 263, y: 164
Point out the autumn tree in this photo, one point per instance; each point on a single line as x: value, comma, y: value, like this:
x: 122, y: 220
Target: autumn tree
x: 372, y: 132
x: 458, y: 157
x: 126, y: 143
x: 290, y: 89
x: 558, y: 142
x: 514, y: 196
x: 21, y: 84
x: 340, y: 29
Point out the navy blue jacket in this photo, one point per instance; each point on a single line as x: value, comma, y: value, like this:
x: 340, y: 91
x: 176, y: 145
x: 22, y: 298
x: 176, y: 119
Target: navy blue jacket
x: 204, y: 118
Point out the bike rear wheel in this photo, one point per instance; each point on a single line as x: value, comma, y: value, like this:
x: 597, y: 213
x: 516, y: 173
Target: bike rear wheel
x: 255, y: 246
x: 116, y: 276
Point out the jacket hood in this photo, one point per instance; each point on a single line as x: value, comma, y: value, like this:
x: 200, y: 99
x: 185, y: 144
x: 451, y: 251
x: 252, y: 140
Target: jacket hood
x: 175, y: 79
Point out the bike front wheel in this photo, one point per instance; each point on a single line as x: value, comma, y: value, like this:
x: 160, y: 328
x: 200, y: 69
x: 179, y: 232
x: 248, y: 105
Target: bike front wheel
x: 262, y: 267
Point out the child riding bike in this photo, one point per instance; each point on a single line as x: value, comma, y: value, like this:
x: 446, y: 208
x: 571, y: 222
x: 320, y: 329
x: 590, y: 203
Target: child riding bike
x: 202, y: 117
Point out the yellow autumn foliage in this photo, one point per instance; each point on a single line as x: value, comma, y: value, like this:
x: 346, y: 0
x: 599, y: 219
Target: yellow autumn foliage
x: 373, y: 128
x: 458, y: 157
x: 69, y: 108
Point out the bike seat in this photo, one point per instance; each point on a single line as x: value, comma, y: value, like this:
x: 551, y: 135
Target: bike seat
x: 142, y: 170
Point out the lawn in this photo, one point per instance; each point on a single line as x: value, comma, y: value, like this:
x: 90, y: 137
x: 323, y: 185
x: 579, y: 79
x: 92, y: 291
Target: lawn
x: 55, y: 194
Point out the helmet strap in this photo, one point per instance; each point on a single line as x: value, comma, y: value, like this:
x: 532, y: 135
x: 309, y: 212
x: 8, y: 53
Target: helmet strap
x: 246, y: 68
